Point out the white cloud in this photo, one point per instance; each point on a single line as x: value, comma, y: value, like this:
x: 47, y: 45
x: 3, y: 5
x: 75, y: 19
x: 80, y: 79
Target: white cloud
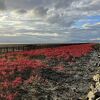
x: 95, y: 39
x: 9, y: 35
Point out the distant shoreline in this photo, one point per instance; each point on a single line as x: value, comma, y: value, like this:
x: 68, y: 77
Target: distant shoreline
x: 4, y: 45
x: 22, y: 47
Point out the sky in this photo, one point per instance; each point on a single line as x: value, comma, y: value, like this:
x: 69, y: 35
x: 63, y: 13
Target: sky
x: 49, y: 21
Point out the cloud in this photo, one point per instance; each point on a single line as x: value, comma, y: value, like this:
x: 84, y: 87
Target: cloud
x: 98, y: 39
x: 29, y: 4
x: 2, y: 5
x: 9, y: 35
x: 21, y: 11
x: 40, y: 11
x: 94, y: 26
x: 59, y: 20
x: 63, y: 3
x: 23, y: 4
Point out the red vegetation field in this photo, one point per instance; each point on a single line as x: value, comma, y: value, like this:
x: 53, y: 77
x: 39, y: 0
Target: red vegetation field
x: 19, y: 68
